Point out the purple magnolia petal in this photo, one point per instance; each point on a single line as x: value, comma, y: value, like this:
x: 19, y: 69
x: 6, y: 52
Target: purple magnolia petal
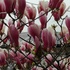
x: 30, y: 12
x: 13, y: 35
x: 34, y: 30
x: 67, y: 22
x: 43, y: 19
x: 21, y: 6
x: 10, y: 5
x: 2, y: 10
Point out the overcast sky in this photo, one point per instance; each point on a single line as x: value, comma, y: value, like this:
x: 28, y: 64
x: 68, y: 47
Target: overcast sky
x: 52, y: 20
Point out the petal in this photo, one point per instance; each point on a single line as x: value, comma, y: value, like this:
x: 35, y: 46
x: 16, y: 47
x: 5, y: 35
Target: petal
x: 34, y: 30
x: 43, y: 19
x: 10, y: 5
x: 21, y: 6
x: 67, y: 22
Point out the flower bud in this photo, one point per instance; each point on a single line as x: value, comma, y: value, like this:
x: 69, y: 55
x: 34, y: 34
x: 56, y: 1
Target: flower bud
x: 10, y: 5
x: 43, y: 19
x: 30, y: 12
x: 67, y: 22
x: 47, y: 39
x: 13, y: 35
x: 43, y: 6
x: 2, y: 58
x: 21, y: 4
x: 55, y: 4
x: 34, y: 30
x: 2, y: 10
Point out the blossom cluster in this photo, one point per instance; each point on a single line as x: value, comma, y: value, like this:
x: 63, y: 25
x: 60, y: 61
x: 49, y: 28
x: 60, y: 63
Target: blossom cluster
x: 40, y: 51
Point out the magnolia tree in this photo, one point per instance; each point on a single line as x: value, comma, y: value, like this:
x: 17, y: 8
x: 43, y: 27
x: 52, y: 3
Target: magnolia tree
x: 46, y: 49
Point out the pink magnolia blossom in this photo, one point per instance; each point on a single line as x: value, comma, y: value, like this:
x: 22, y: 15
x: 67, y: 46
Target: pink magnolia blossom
x: 30, y: 12
x: 13, y: 35
x: 58, y: 13
x: 47, y: 39
x: 65, y: 34
x: 37, y: 43
x: 51, y: 30
x: 43, y: 6
x: 2, y: 10
x: 28, y: 46
x: 67, y: 22
x: 55, y: 4
x: 34, y: 30
x: 2, y: 58
x: 60, y: 66
x: 20, y: 7
x: 10, y: 5
x: 49, y: 59
x: 1, y: 26
x: 43, y: 19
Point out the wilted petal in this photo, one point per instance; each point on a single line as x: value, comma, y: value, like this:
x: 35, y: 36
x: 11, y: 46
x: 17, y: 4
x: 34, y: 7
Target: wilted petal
x: 43, y: 19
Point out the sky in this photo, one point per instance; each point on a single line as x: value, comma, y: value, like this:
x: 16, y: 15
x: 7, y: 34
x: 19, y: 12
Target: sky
x: 51, y: 22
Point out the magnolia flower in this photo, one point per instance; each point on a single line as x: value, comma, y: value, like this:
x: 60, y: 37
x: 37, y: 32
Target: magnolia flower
x: 60, y: 66
x: 28, y: 46
x: 43, y: 19
x: 49, y: 59
x: 58, y: 13
x: 67, y: 22
x: 30, y: 12
x: 48, y: 39
x: 55, y: 4
x: 13, y: 35
x: 34, y: 30
x: 20, y: 7
x: 1, y: 26
x: 43, y: 6
x: 37, y: 43
x: 2, y: 10
x: 2, y: 58
x: 64, y: 34
x: 10, y: 5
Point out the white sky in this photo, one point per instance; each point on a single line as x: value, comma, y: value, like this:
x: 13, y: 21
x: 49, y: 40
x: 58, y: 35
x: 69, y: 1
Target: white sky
x: 52, y: 20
